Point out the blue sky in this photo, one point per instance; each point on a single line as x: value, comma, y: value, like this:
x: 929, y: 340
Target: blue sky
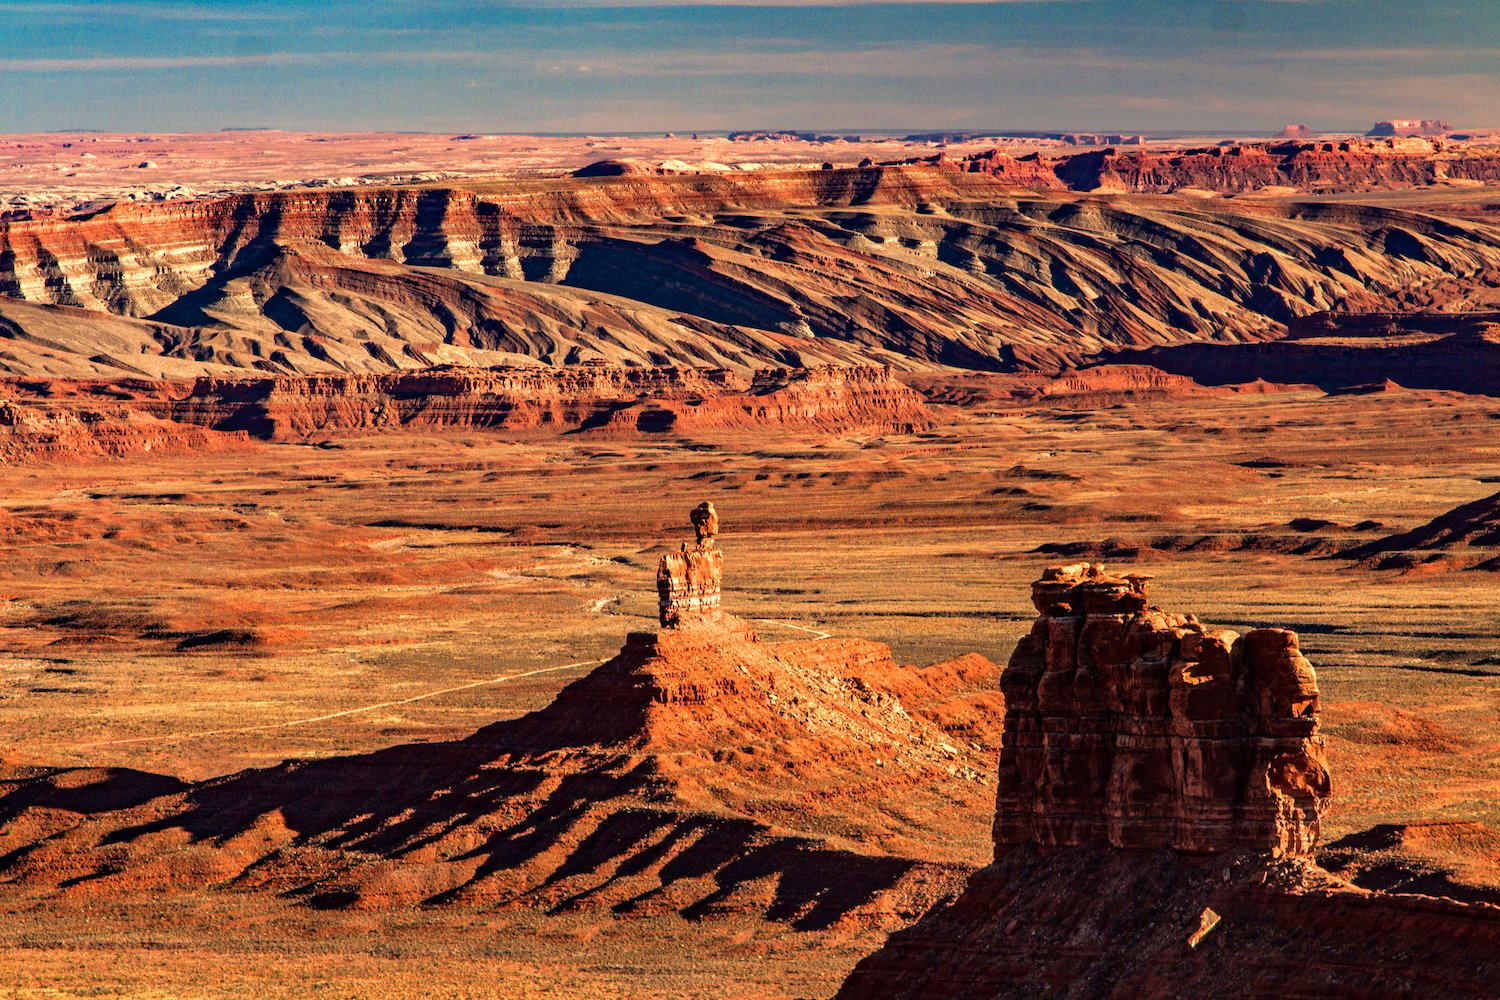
x: 602, y: 66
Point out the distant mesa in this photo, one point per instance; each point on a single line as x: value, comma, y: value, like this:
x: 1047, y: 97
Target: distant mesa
x: 1066, y: 138
x: 773, y: 136
x: 1394, y: 162
x: 1409, y: 127
x: 616, y: 168
x: 1294, y: 132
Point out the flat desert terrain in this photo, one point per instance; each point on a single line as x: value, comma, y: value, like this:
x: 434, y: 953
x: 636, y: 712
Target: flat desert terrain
x: 192, y: 618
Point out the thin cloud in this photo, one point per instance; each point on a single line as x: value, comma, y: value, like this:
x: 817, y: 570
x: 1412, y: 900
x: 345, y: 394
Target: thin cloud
x: 90, y: 64
x: 910, y: 61
x: 144, y: 10
x: 579, y: 4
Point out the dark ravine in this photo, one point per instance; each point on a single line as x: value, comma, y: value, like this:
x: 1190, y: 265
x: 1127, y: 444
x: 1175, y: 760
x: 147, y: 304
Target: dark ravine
x: 1458, y: 352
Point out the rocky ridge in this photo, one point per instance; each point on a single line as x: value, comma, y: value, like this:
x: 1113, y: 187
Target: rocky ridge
x: 700, y: 771
x: 1420, y: 349
x: 601, y: 399
x: 915, y: 266
x: 1467, y: 536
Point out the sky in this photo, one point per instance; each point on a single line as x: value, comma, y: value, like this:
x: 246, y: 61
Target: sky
x: 601, y: 66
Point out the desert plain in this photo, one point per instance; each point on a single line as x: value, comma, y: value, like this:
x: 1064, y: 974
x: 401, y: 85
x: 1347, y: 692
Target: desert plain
x: 242, y: 530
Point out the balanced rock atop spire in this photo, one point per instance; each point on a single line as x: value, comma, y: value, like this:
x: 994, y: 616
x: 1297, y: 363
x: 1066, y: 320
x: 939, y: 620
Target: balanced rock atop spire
x: 1131, y: 726
x: 688, y: 581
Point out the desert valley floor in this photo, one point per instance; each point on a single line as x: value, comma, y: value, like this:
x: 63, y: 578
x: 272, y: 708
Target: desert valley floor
x: 333, y: 598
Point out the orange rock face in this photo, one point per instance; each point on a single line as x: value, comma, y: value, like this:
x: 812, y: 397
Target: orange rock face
x: 1129, y: 725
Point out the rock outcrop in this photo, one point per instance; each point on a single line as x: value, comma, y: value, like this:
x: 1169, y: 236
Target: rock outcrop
x: 1196, y: 749
x: 688, y: 582
x: 1143, y: 729
x: 700, y: 771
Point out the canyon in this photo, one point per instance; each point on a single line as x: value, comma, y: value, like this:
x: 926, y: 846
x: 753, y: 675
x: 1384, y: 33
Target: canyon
x: 329, y: 652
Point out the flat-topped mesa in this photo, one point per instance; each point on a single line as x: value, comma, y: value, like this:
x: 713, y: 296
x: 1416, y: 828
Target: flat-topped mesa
x: 688, y: 581
x: 1131, y: 726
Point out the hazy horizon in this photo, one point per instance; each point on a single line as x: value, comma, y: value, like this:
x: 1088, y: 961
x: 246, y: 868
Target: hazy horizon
x: 592, y: 66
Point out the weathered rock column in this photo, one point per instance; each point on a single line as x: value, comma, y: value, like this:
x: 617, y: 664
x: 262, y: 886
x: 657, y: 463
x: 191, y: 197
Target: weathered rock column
x: 687, y: 582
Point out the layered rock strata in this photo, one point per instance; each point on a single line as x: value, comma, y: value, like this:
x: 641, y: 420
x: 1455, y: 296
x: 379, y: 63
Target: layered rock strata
x: 1143, y: 729
x: 1399, y: 161
x: 55, y: 419
x: 920, y: 266
x: 599, y: 398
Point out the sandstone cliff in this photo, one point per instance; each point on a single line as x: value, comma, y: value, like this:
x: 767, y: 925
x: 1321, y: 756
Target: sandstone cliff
x: 1196, y: 751
x: 1131, y: 726
x: 60, y: 419
x: 601, y: 399
x: 46, y: 428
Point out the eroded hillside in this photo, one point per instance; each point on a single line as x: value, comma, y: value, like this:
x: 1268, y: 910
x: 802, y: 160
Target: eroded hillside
x: 913, y: 266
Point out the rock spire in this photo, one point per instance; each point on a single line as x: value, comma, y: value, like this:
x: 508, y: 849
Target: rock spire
x: 688, y: 581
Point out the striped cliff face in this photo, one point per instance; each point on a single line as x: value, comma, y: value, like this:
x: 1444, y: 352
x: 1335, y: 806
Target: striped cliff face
x: 916, y: 266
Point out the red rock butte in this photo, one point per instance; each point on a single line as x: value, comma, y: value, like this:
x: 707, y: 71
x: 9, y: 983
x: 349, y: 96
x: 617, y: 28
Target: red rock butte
x: 699, y: 771
x: 688, y: 581
x: 1130, y: 725
x: 1160, y: 790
